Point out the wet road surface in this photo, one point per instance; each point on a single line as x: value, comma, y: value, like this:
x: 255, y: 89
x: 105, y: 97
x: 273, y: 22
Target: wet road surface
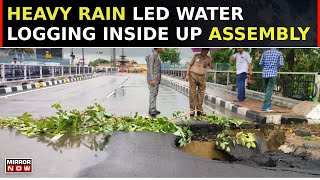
x: 124, y: 154
x: 122, y: 94
x: 62, y: 158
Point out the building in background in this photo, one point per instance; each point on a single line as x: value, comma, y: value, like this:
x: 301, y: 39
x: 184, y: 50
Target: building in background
x: 3, y: 52
x: 33, y: 55
x: 123, y: 65
x: 46, y: 52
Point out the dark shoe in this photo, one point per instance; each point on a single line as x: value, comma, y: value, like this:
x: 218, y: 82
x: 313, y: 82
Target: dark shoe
x: 201, y: 113
x: 153, y: 113
x: 192, y: 113
x: 158, y: 112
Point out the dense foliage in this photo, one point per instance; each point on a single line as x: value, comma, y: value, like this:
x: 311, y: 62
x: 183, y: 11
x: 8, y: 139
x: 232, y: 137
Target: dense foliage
x: 134, y: 62
x: 171, y: 55
x: 99, y: 61
x: 295, y: 59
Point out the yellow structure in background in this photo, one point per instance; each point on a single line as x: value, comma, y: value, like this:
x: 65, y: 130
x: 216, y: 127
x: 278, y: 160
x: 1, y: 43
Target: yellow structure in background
x: 140, y: 69
x: 129, y: 68
x: 48, y: 55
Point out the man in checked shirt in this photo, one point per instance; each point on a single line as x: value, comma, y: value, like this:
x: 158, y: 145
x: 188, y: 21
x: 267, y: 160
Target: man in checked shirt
x: 271, y: 61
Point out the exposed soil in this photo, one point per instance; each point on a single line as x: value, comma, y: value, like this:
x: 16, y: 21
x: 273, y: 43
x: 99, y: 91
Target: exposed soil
x: 281, y: 146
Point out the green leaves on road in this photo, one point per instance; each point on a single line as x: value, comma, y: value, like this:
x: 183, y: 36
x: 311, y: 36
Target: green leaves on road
x: 94, y: 119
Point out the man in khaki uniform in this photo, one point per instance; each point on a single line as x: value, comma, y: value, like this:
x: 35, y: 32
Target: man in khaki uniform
x: 196, y: 75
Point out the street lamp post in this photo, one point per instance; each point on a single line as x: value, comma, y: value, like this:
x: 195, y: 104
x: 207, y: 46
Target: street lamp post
x: 82, y: 56
x: 72, y: 57
x: 114, y: 57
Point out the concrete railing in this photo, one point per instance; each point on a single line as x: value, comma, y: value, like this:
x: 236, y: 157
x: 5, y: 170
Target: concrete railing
x: 294, y: 85
x: 19, y: 72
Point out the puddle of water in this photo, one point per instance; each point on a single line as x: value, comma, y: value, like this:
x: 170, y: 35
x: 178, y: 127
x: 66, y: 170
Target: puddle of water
x: 62, y: 158
x: 93, y: 142
x: 205, y: 150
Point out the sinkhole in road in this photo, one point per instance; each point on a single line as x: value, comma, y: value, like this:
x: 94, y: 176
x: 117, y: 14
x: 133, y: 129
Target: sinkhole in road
x: 204, y: 143
x: 280, y: 146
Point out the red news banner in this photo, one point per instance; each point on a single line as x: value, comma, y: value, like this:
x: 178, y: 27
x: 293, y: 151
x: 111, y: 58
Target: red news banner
x: 206, y: 23
x: 15, y: 165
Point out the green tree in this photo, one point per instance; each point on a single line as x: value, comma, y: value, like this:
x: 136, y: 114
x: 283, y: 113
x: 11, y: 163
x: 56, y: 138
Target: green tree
x: 255, y: 54
x: 223, y: 55
x: 295, y: 59
x: 99, y: 61
x: 171, y: 55
x: 134, y: 62
x: 301, y: 59
x: 26, y: 51
x: 221, y: 59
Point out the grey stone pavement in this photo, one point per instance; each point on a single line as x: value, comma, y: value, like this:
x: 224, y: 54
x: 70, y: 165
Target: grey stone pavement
x: 134, y: 154
x: 225, y: 95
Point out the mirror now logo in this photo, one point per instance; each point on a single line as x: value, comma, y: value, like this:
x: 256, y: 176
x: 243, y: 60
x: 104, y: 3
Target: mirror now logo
x: 18, y: 165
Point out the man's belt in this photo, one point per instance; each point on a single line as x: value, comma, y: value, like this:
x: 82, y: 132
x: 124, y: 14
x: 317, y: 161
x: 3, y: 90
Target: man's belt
x: 197, y: 74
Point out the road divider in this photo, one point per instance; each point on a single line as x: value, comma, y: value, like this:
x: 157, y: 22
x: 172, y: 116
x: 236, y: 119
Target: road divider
x: 47, y: 83
x: 120, y: 86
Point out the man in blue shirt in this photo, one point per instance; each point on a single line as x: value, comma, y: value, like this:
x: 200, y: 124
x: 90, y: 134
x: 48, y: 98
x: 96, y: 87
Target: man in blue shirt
x: 271, y: 60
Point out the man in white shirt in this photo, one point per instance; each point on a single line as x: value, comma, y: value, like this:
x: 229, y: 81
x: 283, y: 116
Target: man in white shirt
x: 14, y: 61
x: 14, y: 70
x: 243, y: 66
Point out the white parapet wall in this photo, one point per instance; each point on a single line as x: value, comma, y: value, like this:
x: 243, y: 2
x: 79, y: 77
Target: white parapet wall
x: 277, y: 100
x: 314, y: 115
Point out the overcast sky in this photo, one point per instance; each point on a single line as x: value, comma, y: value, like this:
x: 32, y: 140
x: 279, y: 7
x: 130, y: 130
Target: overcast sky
x: 137, y: 54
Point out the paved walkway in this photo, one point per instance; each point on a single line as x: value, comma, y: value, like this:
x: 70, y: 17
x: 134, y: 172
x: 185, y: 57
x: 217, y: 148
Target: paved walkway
x: 248, y: 103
